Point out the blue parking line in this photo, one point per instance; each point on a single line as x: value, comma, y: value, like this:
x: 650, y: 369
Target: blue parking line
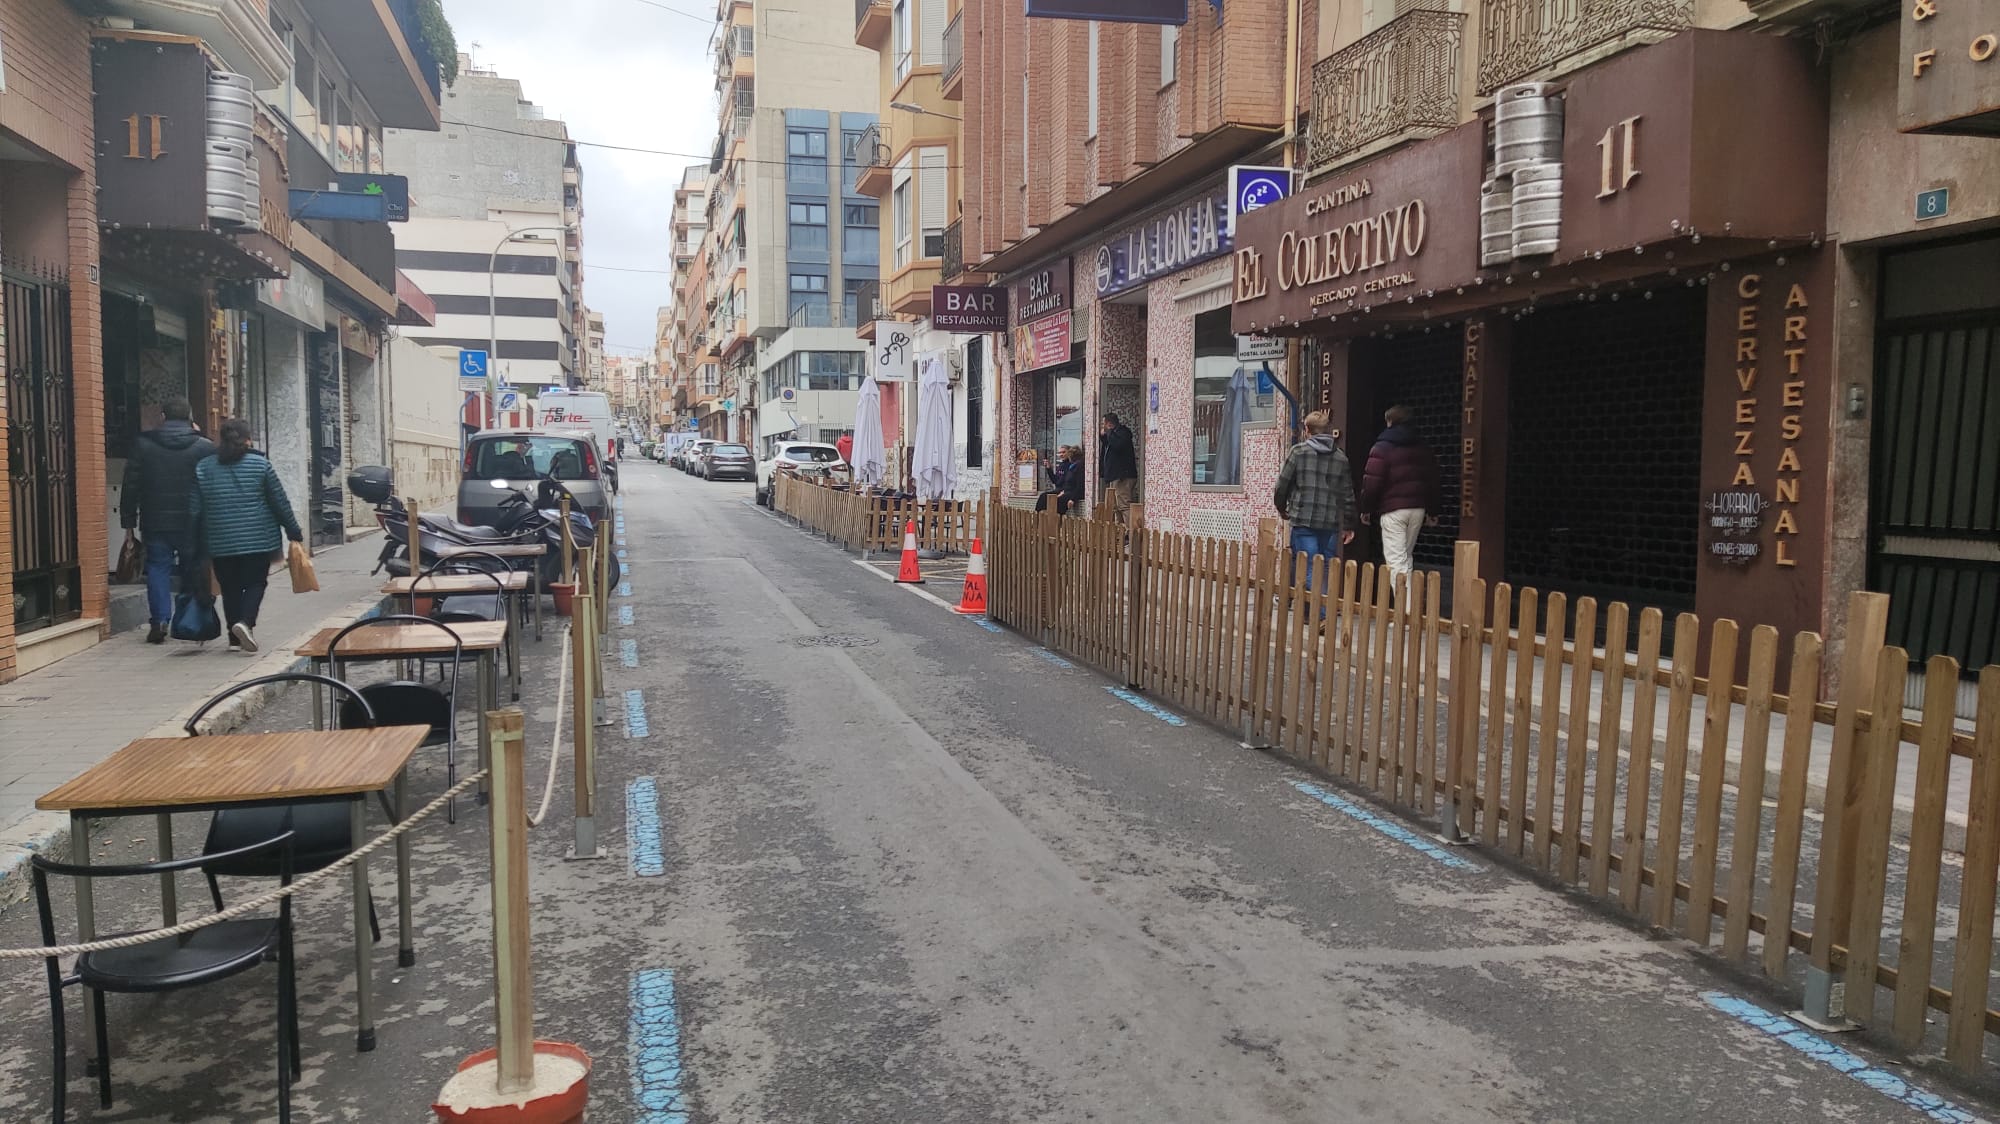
x: 624, y: 589
x: 1051, y: 657
x: 1828, y: 1054
x: 620, y: 553
x: 986, y: 624
x: 642, y: 828
x: 628, y: 653
x: 635, y: 715
x: 1149, y: 706
x: 1386, y: 826
x: 625, y: 615
x: 655, y: 1043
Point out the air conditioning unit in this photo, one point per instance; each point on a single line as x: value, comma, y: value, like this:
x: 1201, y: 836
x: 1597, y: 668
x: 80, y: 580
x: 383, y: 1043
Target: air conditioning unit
x: 954, y: 362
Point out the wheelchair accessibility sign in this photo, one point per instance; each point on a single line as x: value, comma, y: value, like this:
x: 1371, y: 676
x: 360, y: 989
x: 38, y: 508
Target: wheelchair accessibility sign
x: 472, y: 364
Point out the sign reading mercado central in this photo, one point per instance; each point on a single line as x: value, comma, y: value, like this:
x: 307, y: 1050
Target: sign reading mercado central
x: 1377, y: 238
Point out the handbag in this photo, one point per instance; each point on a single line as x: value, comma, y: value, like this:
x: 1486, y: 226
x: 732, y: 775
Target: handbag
x: 194, y: 619
x: 131, y: 561
x: 304, y: 579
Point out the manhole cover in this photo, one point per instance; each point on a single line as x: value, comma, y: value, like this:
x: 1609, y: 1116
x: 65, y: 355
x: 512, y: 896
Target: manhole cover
x: 832, y: 640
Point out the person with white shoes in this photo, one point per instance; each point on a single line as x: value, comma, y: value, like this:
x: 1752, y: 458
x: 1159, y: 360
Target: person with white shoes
x: 1399, y: 489
x: 239, y: 504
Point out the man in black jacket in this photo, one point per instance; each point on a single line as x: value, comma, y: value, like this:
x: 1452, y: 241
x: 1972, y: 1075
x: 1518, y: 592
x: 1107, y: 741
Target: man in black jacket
x: 1117, y: 464
x: 159, y: 478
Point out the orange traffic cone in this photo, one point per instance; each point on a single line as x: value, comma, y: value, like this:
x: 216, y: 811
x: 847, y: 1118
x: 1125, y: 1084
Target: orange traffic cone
x: 909, y: 572
x: 974, y: 600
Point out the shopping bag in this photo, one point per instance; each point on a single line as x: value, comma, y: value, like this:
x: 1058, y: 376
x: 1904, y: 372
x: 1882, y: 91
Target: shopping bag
x: 131, y: 561
x: 304, y: 580
x: 194, y: 619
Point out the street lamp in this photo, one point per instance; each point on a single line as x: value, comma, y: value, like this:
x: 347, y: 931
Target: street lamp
x: 493, y: 314
x: 912, y: 107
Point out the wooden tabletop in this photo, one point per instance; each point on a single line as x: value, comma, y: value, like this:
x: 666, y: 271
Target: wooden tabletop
x: 497, y: 550
x: 515, y: 581
x: 239, y: 769
x: 400, y: 640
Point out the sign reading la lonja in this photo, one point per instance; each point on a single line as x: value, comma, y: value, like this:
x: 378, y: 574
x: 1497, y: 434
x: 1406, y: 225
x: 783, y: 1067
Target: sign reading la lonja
x: 969, y: 308
x: 1168, y: 242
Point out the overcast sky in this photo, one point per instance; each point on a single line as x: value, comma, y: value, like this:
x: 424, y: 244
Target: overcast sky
x: 622, y: 72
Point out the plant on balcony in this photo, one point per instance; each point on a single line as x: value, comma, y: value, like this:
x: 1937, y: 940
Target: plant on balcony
x: 439, y: 38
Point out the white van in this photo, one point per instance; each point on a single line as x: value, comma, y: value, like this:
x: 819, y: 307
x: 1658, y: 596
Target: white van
x: 558, y: 408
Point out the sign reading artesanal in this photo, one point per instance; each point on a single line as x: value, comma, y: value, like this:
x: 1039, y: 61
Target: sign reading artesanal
x: 969, y: 308
x: 1949, y: 68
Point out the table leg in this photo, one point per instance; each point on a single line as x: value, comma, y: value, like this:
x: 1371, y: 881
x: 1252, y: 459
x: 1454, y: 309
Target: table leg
x: 487, y: 689
x: 86, y: 927
x: 319, y: 694
x: 169, y: 904
x: 364, y: 977
x: 538, y: 598
x: 514, y: 646
x: 406, y: 954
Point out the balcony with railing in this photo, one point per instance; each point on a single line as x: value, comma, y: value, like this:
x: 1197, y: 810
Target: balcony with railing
x: 871, y: 21
x: 1526, y: 39
x: 1397, y: 83
x: 739, y: 129
x: 951, y: 254
x: 390, y: 61
x: 734, y: 55
x: 867, y: 302
x: 952, y: 79
x: 873, y: 158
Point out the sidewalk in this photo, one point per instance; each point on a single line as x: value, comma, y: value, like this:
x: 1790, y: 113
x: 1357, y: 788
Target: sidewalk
x: 58, y: 721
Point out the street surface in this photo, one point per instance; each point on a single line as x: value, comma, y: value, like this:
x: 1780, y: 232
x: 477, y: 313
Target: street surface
x: 911, y: 869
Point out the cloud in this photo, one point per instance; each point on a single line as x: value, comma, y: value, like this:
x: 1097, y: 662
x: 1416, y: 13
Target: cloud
x: 618, y: 72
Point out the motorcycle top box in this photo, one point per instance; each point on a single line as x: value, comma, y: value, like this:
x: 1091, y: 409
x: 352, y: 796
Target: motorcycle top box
x: 372, y: 483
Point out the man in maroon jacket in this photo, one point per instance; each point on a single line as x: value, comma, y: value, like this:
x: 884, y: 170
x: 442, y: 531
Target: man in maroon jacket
x: 1398, y: 487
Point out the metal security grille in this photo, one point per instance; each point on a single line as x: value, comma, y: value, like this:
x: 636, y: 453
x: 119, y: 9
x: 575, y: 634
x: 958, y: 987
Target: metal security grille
x: 1424, y: 373
x: 1604, y: 448
x: 1936, y: 487
x: 41, y: 450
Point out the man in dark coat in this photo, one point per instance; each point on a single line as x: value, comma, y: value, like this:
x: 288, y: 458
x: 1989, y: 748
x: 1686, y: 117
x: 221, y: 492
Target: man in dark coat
x: 159, y: 483
x: 1117, y: 464
x: 1399, y: 487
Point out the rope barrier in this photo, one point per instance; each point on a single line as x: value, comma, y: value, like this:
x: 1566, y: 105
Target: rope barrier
x: 555, y: 746
x: 251, y: 905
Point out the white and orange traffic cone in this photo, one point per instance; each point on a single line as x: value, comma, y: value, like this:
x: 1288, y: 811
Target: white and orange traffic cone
x: 909, y: 572
x: 973, y: 602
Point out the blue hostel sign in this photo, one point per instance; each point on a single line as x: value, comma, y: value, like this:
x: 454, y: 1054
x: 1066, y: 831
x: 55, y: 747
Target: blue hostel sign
x: 1111, y: 11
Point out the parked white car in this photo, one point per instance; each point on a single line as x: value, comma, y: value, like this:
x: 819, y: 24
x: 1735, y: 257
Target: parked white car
x: 797, y: 456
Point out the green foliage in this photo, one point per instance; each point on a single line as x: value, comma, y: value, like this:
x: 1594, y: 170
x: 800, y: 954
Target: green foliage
x: 438, y: 36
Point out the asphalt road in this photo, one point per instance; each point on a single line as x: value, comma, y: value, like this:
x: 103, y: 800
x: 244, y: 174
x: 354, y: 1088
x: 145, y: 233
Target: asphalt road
x: 913, y: 870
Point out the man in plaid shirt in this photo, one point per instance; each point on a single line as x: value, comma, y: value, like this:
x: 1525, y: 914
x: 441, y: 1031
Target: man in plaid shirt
x: 1316, y: 491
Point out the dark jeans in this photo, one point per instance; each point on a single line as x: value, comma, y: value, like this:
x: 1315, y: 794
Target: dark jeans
x: 243, y: 578
x: 169, y: 554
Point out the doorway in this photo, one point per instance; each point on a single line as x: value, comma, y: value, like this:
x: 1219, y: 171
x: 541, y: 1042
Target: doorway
x: 41, y: 449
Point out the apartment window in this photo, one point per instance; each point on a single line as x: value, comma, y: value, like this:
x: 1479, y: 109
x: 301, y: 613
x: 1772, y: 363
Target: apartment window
x: 809, y: 302
x: 850, y: 159
x: 861, y: 214
x: 851, y: 298
x: 860, y: 245
x: 328, y: 113
x: 900, y: 17
x: 1170, y: 49
x: 975, y: 405
x: 899, y: 215
x: 931, y: 20
x: 1091, y: 77
x: 305, y: 81
x: 805, y: 156
x: 932, y: 195
x: 808, y: 227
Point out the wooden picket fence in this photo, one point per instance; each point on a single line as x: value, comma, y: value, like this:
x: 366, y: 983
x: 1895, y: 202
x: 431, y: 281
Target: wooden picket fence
x: 1579, y: 738
x: 875, y: 523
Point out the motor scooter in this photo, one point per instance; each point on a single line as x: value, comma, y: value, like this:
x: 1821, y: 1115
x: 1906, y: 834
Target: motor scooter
x: 521, y: 520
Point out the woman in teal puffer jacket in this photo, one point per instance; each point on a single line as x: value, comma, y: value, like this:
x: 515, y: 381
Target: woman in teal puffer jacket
x: 241, y: 508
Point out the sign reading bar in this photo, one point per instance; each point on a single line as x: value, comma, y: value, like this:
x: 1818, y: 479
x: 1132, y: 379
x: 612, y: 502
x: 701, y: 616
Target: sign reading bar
x: 1044, y: 291
x: 1044, y: 343
x: 1948, y: 76
x: 969, y: 308
x: 1111, y: 11
x: 1169, y: 242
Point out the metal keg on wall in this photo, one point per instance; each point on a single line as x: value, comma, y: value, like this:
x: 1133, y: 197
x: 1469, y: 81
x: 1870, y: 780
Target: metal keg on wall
x: 1520, y: 205
x: 1527, y: 127
x: 1496, y: 222
x: 1538, y: 196
x: 231, y: 130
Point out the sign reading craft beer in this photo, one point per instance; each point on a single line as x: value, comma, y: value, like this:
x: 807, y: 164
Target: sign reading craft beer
x: 1949, y: 68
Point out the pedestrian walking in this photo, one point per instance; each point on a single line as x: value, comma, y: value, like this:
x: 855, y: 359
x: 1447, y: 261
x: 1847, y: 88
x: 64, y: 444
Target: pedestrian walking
x: 1399, y: 489
x: 240, y: 506
x: 1315, y: 491
x: 845, y: 446
x: 159, y: 479
x: 1117, y: 464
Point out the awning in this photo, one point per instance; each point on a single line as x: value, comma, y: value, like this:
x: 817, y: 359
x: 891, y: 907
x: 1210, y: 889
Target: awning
x: 414, y: 307
x: 771, y: 427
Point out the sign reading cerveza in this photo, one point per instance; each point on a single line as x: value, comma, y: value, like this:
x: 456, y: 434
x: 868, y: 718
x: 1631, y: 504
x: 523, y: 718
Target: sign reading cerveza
x: 1168, y: 242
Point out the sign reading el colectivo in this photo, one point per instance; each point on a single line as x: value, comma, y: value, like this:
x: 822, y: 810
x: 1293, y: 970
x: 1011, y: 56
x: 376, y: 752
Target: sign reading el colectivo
x: 1341, y: 262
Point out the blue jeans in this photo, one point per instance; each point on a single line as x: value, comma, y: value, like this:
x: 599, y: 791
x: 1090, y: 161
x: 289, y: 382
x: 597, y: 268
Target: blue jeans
x: 1316, y: 541
x: 168, y: 554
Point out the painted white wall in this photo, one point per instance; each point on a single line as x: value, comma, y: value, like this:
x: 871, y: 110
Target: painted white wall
x: 423, y: 406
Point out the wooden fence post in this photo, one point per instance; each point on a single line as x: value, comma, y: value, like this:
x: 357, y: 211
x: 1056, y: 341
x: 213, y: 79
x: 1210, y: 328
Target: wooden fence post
x: 1461, y: 724
x: 513, y: 980
x: 1846, y: 789
x: 1262, y: 588
x: 583, y: 731
x: 1135, y: 597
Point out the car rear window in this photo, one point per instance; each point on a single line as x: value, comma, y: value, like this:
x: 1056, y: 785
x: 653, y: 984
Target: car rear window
x: 509, y: 458
x: 740, y: 450
x: 818, y: 454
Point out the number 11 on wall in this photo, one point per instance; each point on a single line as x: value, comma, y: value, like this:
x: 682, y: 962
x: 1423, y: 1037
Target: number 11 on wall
x: 1619, y: 146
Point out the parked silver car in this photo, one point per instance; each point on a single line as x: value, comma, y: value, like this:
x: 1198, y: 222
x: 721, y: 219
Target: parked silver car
x: 728, y: 461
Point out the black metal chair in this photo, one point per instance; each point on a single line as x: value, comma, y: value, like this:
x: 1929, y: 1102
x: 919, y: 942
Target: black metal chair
x: 467, y: 607
x: 404, y: 702
x: 322, y: 832
x: 216, y: 952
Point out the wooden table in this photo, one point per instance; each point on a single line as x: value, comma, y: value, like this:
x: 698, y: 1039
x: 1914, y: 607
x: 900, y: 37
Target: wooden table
x: 509, y: 551
x: 160, y: 776
x: 403, y: 641
x: 512, y: 586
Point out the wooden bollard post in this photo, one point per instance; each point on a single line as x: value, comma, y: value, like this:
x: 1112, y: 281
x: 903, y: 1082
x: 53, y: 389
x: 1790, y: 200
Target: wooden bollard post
x: 1462, y: 704
x: 583, y: 732
x: 513, y: 979
x: 568, y: 545
x: 1262, y: 587
x: 413, y: 536
x: 604, y: 577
